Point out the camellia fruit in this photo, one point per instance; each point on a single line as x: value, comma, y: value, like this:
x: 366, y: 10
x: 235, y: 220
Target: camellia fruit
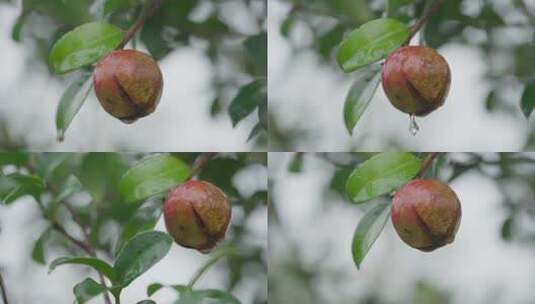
x: 197, y: 215
x: 426, y: 214
x: 128, y: 84
x: 416, y: 80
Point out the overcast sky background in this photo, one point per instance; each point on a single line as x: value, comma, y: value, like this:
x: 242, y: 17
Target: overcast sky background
x: 478, y: 268
x: 307, y: 94
x: 29, y: 96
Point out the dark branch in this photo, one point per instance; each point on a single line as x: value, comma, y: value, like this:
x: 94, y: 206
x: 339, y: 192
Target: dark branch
x: 428, y: 161
x: 423, y: 20
x: 139, y: 23
x: 200, y: 162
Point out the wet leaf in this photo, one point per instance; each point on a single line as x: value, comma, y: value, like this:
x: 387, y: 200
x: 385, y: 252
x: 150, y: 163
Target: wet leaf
x: 84, y: 45
x: 381, y: 174
x: 371, y: 42
x: 368, y: 230
x: 360, y: 95
x: 140, y: 254
x: 153, y: 175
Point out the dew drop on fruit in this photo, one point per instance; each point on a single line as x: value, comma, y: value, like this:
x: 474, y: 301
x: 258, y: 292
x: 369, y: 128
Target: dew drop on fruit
x: 413, y: 126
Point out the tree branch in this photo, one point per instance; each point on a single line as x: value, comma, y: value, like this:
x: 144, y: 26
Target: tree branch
x: 200, y: 162
x: 3, y: 289
x: 84, y: 245
x: 423, y: 20
x: 139, y: 23
x: 428, y: 161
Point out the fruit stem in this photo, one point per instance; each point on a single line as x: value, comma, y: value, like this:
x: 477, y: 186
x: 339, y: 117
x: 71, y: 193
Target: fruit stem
x: 214, y: 259
x: 139, y: 23
x: 430, y: 157
x: 423, y: 20
x: 3, y: 289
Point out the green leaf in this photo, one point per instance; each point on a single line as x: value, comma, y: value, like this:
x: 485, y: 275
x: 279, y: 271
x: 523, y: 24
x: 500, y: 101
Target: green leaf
x: 360, y: 95
x: 16, y: 30
x: 96, y: 165
x: 38, y: 251
x: 220, y: 172
x: 49, y: 162
x: 84, y: 45
x: 71, y: 186
x: 287, y: 25
x: 507, y: 228
x: 15, y: 185
x: 71, y: 101
x: 146, y: 302
x: 329, y: 40
x: 371, y: 42
x: 13, y: 158
x: 152, y: 175
x: 381, y: 174
x: 140, y: 254
x: 368, y: 229
x: 86, y: 290
x: 248, y: 99
x: 256, y: 47
x: 144, y: 219
x: 527, y: 101
x: 96, y: 263
x: 153, y: 288
x: 255, y: 131
x: 109, y: 6
x: 296, y: 164
x: 64, y: 13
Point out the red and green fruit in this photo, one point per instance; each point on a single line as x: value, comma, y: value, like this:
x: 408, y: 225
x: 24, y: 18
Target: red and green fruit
x: 416, y: 80
x: 426, y: 214
x: 128, y: 84
x: 197, y: 215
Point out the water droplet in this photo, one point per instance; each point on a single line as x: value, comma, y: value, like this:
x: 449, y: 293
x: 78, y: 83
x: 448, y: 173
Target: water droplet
x: 413, y: 126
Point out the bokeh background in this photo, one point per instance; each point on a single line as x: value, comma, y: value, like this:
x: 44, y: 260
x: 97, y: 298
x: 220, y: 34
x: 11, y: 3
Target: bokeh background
x: 242, y: 176
x: 311, y: 227
x: 199, y: 45
x: 489, y: 44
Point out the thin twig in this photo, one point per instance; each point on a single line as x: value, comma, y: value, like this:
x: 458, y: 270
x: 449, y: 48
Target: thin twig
x: 423, y: 20
x: 428, y: 161
x: 83, y: 245
x: 139, y: 23
x: 200, y: 162
x: 214, y: 259
x: 3, y: 289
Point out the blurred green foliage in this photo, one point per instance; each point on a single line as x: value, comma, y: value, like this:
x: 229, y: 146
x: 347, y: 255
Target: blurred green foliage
x: 71, y: 188
x: 231, y: 34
